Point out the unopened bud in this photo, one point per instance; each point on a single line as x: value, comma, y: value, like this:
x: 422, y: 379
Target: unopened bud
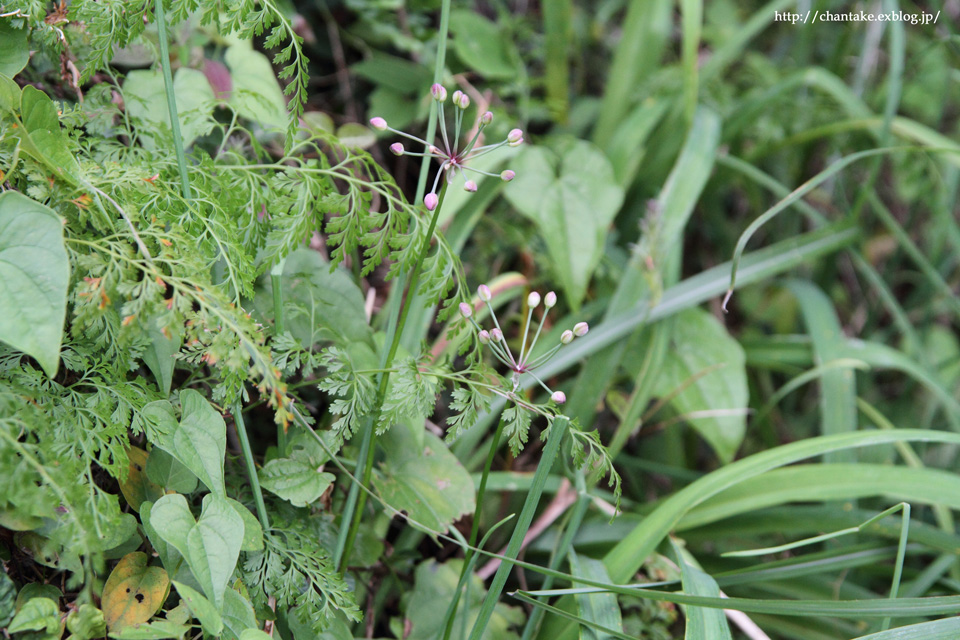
x: 507, y: 175
x: 566, y: 337
x: 396, y: 149
x: 456, y: 97
x: 378, y: 123
x: 470, y: 186
x: 487, y: 117
x: 515, y: 137
x: 559, y: 397
x: 550, y: 300
x: 496, y: 335
x: 533, y: 299
x: 439, y: 92
x: 484, y: 293
x: 484, y: 337
x: 463, y: 101
x: 580, y: 329
x: 466, y: 310
x: 430, y: 201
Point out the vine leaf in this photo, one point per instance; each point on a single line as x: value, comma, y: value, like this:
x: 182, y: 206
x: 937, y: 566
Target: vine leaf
x: 34, y: 276
x: 201, y: 608
x: 133, y: 592
x: 138, y: 487
x: 201, y: 440
x: 295, y: 479
x: 210, y: 545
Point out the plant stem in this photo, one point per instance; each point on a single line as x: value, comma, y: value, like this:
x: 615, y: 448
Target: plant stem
x: 251, y: 466
x: 475, y: 528
x: 276, y: 284
x: 366, y: 461
x: 172, y: 100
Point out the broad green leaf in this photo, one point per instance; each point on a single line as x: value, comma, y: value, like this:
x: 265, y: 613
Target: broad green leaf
x: 146, y: 101
x: 37, y: 590
x: 946, y: 629
x: 398, y: 74
x: 254, y: 634
x: 86, y: 623
x: 256, y: 94
x: 600, y: 608
x: 169, y: 555
x: 295, y: 480
x: 237, y: 615
x: 356, y: 135
x: 572, y: 197
x: 138, y: 487
x: 200, y: 442
x: 133, y: 592
x: 201, y: 608
x: 702, y: 623
x: 210, y: 545
x: 318, y: 304
x: 433, y: 589
x: 252, y: 530
x: 38, y: 614
x: 482, y: 45
x: 14, y: 51
x: 168, y: 472
x: 156, y: 630
x: 699, y: 342
x: 42, y: 123
x: 34, y: 275
x: 429, y: 483
x: 158, y: 356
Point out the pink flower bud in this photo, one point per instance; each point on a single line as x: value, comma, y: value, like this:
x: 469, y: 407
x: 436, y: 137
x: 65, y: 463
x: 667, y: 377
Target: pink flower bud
x: 533, y: 299
x: 470, y: 186
x: 439, y: 92
x: 496, y: 335
x: 378, y: 123
x: 435, y: 151
x: 550, y: 300
x: 486, y: 118
x: 559, y: 397
x: 466, y: 310
x: 460, y: 99
x: 484, y: 293
x: 515, y: 137
x: 484, y: 337
x: 456, y: 97
x: 566, y: 337
x: 396, y: 149
x: 430, y: 201
x: 580, y: 329
x: 507, y: 175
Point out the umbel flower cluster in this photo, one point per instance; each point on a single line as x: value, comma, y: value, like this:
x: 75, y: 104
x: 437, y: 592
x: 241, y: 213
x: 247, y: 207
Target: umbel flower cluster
x: 523, y: 363
x: 453, y: 159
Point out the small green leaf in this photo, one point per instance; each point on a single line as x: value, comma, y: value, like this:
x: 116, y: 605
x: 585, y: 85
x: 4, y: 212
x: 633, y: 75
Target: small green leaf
x: 256, y: 94
x: 158, y: 356
x: 8, y: 599
x: 201, y: 608
x: 600, y: 608
x: 702, y: 623
x: 38, y: 614
x: 133, y: 592
x: 156, y: 630
x: 295, y: 480
x: 34, y: 275
x: 168, y: 472
x: 14, y: 51
x: 252, y: 530
x: 572, y: 197
x: 86, y: 623
x: 482, y: 45
x: 201, y: 441
x: 429, y: 483
x: 237, y: 615
x: 698, y: 343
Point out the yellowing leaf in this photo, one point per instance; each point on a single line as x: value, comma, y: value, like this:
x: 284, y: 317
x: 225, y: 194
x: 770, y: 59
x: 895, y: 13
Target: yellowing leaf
x: 133, y: 592
x: 137, y: 487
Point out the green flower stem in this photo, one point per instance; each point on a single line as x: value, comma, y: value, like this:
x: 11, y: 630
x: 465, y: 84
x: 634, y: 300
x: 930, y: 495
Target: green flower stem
x: 357, y: 501
x: 172, y: 100
x: 251, y: 467
x: 475, y: 528
x: 558, y: 432
x: 276, y: 284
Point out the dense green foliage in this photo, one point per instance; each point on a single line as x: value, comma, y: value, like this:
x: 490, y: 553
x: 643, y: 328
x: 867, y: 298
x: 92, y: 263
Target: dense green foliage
x: 247, y: 390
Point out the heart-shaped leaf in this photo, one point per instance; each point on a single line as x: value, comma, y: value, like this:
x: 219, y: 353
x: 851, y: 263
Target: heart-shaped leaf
x: 210, y: 545
x: 201, y: 608
x: 572, y: 196
x: 34, y: 274
x: 294, y: 479
x: 201, y: 440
